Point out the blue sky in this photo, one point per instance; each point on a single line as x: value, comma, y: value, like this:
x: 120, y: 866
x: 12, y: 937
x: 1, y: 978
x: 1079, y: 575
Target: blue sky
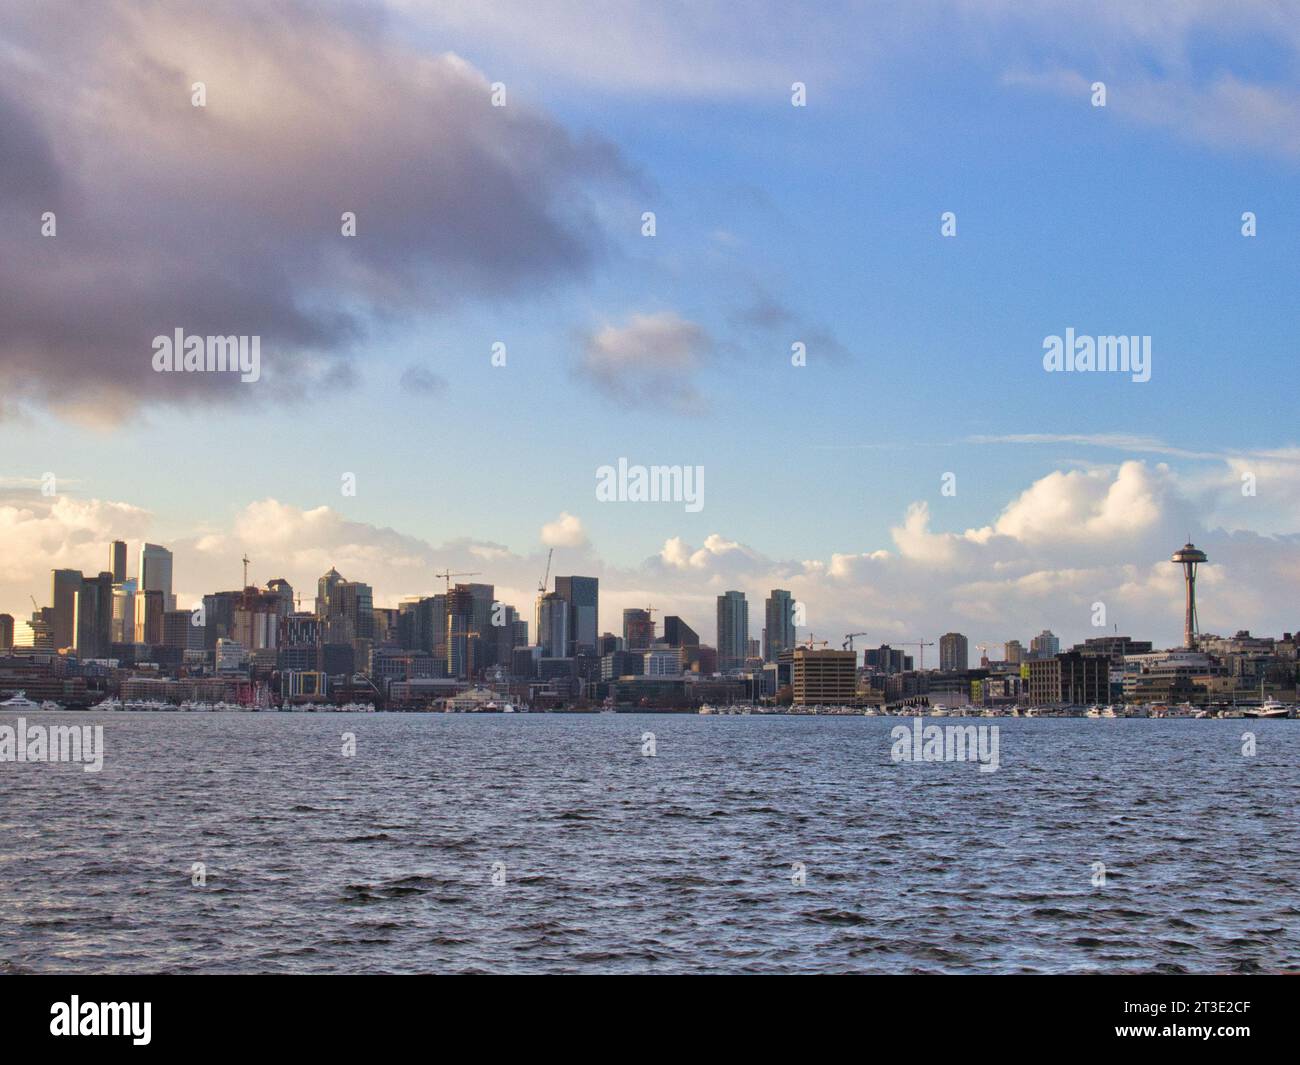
x: 924, y: 351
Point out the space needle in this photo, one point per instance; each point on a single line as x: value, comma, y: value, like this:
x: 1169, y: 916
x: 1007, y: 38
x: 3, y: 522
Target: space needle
x: 1189, y: 557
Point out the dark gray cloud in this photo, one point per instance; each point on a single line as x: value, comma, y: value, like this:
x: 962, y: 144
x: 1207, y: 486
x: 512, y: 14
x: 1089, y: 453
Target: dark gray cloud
x: 226, y: 219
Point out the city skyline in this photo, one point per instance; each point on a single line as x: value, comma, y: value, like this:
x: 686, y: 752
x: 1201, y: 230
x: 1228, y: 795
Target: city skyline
x: 575, y: 627
x: 919, y: 472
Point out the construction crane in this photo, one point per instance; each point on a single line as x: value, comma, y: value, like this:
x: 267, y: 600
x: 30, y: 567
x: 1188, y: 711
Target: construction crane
x: 546, y: 577
x: 447, y: 575
x: 245, y: 560
x: 983, y: 649
x: 812, y: 641
x: 848, y: 639
x: 919, y: 644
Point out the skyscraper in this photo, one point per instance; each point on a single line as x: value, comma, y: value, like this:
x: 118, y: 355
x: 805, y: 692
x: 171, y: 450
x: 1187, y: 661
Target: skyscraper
x: 156, y: 574
x: 93, y: 624
x: 583, y: 596
x: 66, y: 584
x: 1044, y: 645
x: 733, y: 631
x: 553, y: 625
x: 117, y: 560
x: 678, y: 634
x: 778, y: 624
x: 1013, y: 652
x: 638, y: 629
x: 6, y: 631
x: 953, y: 652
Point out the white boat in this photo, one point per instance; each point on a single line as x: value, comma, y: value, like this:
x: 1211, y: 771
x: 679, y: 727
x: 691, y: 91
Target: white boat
x: 20, y: 703
x: 1093, y: 711
x: 1270, y: 707
x: 50, y: 704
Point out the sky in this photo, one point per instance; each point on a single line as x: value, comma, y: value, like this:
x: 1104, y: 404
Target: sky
x: 921, y: 472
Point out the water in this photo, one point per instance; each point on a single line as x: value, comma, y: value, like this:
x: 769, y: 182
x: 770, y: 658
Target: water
x: 616, y: 862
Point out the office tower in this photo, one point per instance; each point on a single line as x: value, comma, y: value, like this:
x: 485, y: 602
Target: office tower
x: 511, y: 633
x: 609, y: 643
x: 155, y: 573
x: 1044, y: 645
x: 887, y: 660
x: 326, y: 594
x: 733, y: 631
x: 778, y: 624
x: 638, y: 629
x: 66, y: 584
x: 553, y: 625
x: 218, y: 616
x: 953, y: 652
x: 284, y: 590
x: 583, y: 596
x: 93, y: 622
x: 117, y: 560
x: 6, y: 631
x: 149, y: 610
x: 123, y: 627
x: 678, y: 634
x: 1189, y: 557
x: 177, y: 629
x: 824, y: 676
x: 1013, y: 652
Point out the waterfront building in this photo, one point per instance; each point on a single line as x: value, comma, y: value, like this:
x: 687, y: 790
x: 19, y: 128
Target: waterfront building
x: 824, y: 676
x: 662, y: 662
x: 1071, y: 678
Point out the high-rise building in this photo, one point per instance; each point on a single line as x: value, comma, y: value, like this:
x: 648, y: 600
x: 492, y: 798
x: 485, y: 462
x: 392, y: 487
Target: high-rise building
x: 66, y: 584
x: 678, y: 634
x: 886, y: 659
x: 733, y: 631
x: 953, y: 652
x: 1044, y: 645
x: 149, y: 610
x: 6, y: 631
x: 1013, y: 652
x: 583, y: 596
x: 638, y: 629
x: 93, y: 622
x: 155, y: 574
x: 778, y: 624
x: 553, y: 625
x: 117, y: 560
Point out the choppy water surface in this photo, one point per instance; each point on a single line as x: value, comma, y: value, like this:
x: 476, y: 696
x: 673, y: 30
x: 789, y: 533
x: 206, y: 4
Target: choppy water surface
x: 617, y: 862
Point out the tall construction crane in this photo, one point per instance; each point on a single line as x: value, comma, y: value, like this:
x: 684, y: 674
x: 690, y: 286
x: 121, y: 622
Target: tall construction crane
x: 812, y: 641
x: 919, y: 644
x: 848, y: 639
x: 245, y: 560
x: 546, y: 577
x: 447, y: 575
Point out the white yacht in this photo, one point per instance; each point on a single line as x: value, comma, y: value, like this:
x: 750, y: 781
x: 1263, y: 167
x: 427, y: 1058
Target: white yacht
x: 1270, y: 707
x: 20, y: 703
